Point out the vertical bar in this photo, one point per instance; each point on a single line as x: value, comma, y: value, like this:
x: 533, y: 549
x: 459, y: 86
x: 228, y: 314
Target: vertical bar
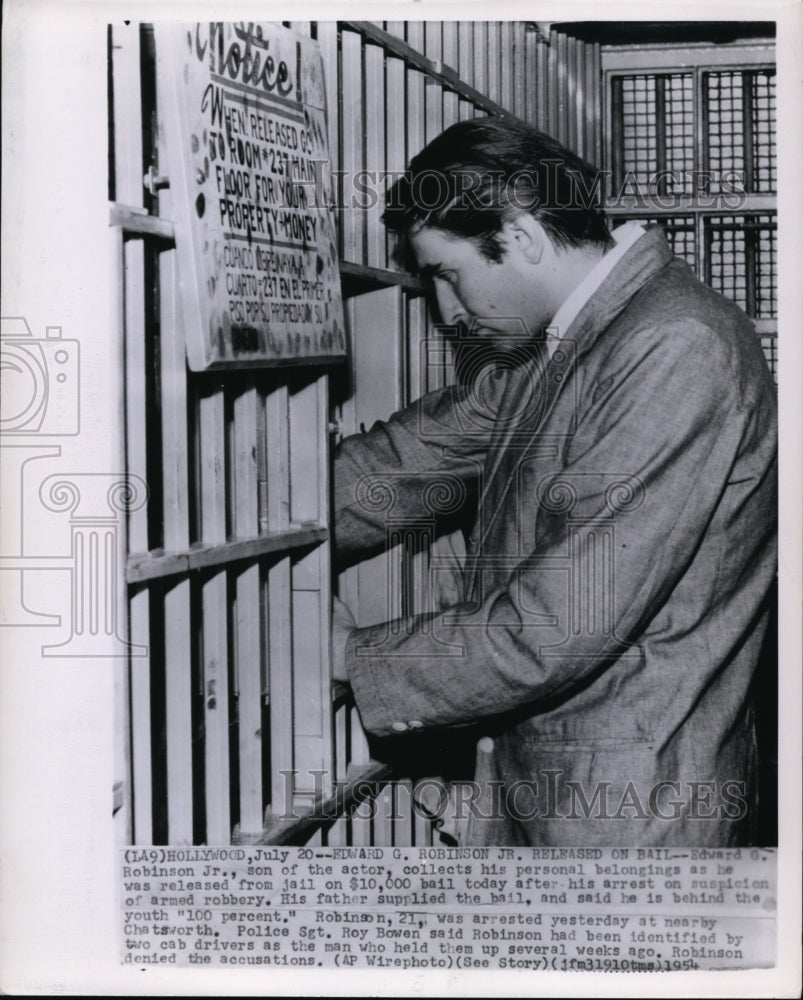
x: 748, y: 83
x: 395, y: 28
x: 383, y: 818
x: 508, y: 65
x: 543, y: 53
x: 660, y: 128
x: 123, y: 815
x: 415, y: 35
x: 750, y: 270
x: 310, y: 575
x: 361, y: 824
x: 451, y: 103
x: 415, y: 112
x: 352, y: 131
x: 578, y: 111
x: 521, y: 80
x: 571, y: 93
x: 494, y: 31
x: 433, y: 109
x: 375, y: 123
x: 433, y: 40
x: 178, y: 664
x: 465, y: 51
x: 560, y: 45
x: 396, y: 134
x: 599, y: 156
x: 450, y: 42
x: 590, y: 107
x: 703, y: 157
x: 535, y: 94
x: 403, y: 812
x: 338, y: 833
x: 617, y: 133
x: 416, y: 380
x: 128, y: 160
x: 211, y: 425
x: 423, y: 826
x: 279, y: 638
x: 328, y: 44
x: 247, y: 625
x: 481, y: 56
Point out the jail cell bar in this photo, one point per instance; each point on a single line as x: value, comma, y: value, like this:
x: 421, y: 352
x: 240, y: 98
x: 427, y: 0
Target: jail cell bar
x: 233, y: 731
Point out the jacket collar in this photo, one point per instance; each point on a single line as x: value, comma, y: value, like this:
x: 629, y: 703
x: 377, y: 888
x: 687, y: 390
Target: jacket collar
x: 645, y: 258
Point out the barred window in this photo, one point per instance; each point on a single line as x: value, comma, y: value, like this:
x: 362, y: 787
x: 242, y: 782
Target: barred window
x: 693, y: 149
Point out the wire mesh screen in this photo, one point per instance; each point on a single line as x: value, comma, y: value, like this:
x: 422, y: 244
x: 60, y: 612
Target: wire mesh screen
x: 679, y: 231
x: 741, y: 256
x: 657, y: 130
x: 741, y: 128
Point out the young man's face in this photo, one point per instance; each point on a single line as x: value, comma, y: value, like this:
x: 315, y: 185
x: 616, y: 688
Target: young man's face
x: 493, y: 298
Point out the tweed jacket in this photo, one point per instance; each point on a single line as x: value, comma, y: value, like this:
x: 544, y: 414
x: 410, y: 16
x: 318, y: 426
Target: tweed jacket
x: 622, y: 501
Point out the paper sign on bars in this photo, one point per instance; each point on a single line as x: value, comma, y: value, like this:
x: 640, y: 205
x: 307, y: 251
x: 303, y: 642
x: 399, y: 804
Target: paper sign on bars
x: 248, y: 163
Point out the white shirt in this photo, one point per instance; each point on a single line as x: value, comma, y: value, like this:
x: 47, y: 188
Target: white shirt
x: 625, y: 236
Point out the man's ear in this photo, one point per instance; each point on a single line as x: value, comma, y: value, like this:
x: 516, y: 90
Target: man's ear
x: 527, y: 236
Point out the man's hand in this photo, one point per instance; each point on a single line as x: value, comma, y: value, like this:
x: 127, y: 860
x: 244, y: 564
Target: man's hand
x: 342, y: 624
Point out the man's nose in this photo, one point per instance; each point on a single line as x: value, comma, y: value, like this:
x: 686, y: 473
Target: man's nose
x: 449, y: 305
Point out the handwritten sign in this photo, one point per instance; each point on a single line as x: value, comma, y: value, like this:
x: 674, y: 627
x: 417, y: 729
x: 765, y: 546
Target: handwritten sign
x: 245, y: 131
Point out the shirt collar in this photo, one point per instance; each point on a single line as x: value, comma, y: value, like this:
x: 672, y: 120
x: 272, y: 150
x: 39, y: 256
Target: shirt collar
x: 624, y: 236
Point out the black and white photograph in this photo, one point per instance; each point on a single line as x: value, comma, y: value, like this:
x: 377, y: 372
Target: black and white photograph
x: 400, y: 552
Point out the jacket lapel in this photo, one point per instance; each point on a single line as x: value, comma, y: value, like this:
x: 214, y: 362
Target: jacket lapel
x: 646, y: 257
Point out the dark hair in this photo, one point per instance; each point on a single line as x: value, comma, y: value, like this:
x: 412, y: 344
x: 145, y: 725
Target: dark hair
x: 478, y: 174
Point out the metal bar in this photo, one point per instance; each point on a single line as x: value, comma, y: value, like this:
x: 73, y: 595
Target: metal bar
x: 660, y: 130
x: 375, y: 119
x: 352, y: 131
x: 433, y: 110
x: 247, y: 625
x: 360, y: 787
x: 599, y: 106
x: 748, y: 81
x: 123, y: 774
x: 617, y: 133
x: 436, y: 71
x: 570, y: 91
x: 465, y: 52
x: 214, y: 625
x: 481, y: 57
x: 506, y: 65
x: 449, y: 55
x: 150, y: 566
x: 178, y: 661
x: 310, y: 589
x: 520, y: 80
x: 136, y: 221
x: 494, y: 33
x: 560, y: 47
x: 128, y: 160
x: 395, y: 154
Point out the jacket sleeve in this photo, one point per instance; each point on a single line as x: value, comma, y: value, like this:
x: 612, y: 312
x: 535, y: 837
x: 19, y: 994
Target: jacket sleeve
x: 426, y: 457
x: 666, y: 419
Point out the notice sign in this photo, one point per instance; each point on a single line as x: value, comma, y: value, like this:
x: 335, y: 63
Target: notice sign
x: 244, y: 125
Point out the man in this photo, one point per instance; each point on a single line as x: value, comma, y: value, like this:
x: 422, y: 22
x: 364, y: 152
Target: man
x: 618, y: 472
